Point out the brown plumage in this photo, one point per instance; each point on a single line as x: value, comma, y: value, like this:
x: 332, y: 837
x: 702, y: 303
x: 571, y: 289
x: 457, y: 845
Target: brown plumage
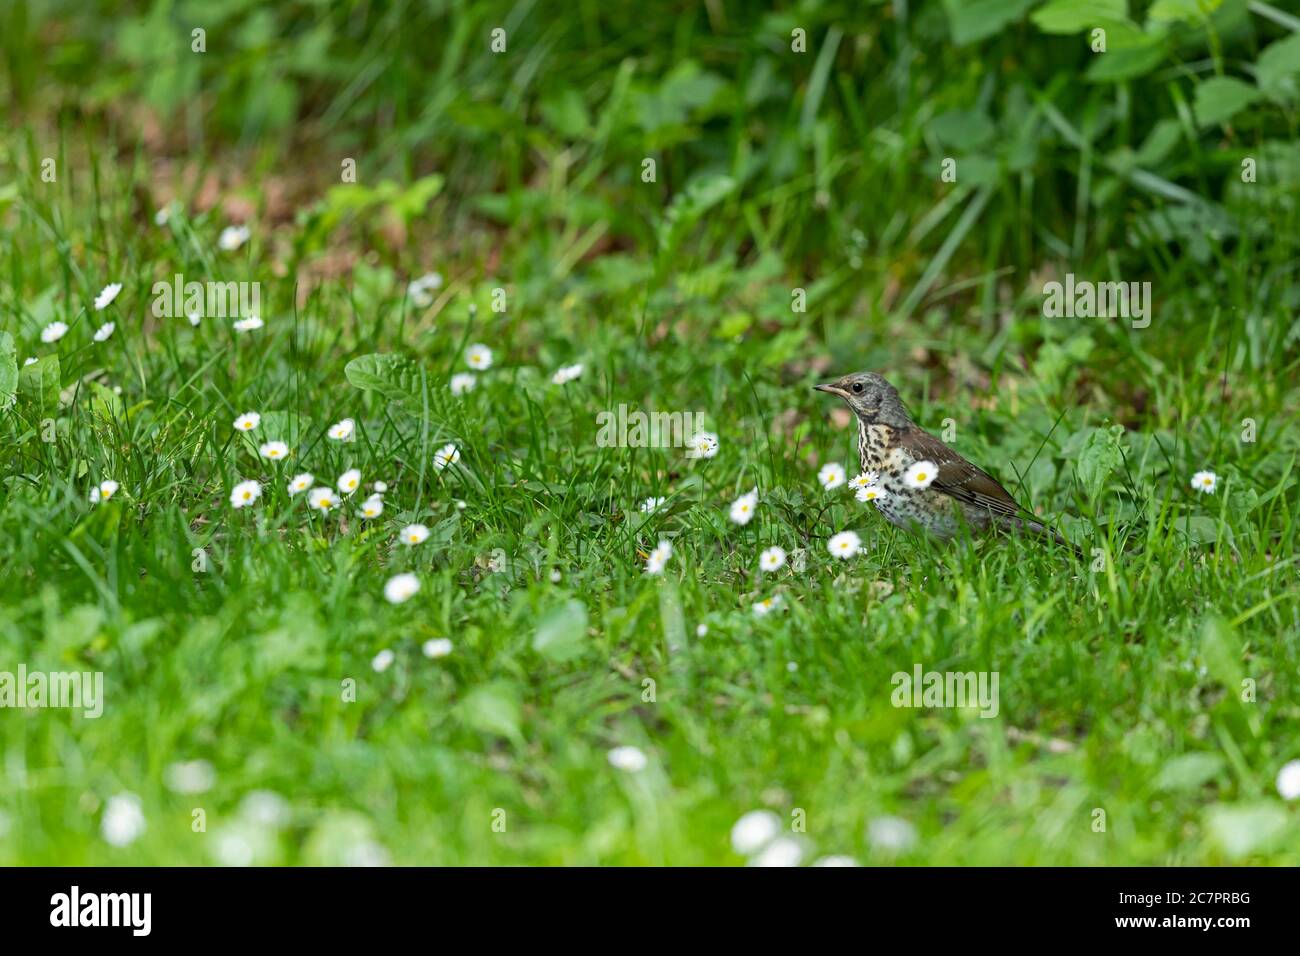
x: 889, y: 443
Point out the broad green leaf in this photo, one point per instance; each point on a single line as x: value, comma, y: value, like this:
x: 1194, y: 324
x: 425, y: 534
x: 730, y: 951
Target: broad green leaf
x: 1192, y: 11
x: 105, y: 404
x: 493, y: 709
x: 1221, y: 651
x: 1099, y: 457
x: 1244, y: 502
x: 1222, y: 97
x: 8, y: 370
x: 974, y: 20
x: 1278, y: 64
x: 562, y: 632
x: 977, y: 170
x: 688, y: 92
x: 1204, y: 529
x: 1162, y: 139
x: 1189, y: 771
x: 38, y: 384
x: 1071, y: 16
x: 1127, y: 62
x: 395, y: 377
x: 1242, y: 829
x: 566, y: 113
x: 1123, y: 34
x: 734, y: 325
x: 967, y: 129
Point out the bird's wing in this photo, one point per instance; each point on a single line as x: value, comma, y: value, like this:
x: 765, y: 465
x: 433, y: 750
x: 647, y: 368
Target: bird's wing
x: 958, y: 478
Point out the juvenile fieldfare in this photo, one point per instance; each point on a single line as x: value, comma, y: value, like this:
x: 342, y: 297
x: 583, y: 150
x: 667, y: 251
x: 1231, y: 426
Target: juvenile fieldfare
x: 902, y: 456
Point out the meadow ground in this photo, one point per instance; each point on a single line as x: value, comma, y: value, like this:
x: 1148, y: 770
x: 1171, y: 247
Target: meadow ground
x: 271, y: 696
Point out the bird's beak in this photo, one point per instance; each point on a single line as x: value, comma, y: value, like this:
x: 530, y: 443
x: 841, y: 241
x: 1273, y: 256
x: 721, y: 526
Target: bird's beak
x: 834, y: 390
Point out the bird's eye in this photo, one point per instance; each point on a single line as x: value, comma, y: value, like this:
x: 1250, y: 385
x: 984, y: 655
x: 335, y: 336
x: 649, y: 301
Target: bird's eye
x: 857, y: 386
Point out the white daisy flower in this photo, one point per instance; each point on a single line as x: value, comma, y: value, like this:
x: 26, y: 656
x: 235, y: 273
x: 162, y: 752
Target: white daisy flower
x: 349, y: 481
x: 244, y: 494
x: 236, y: 846
x: 300, y: 483
x: 380, y: 487
x: 846, y: 544
x: 421, y: 290
x: 835, y: 861
x: 342, y: 431
x: 194, y: 316
x: 401, y: 588
x: 831, y: 475
x: 772, y: 558
x: 1288, y: 781
x: 105, y: 490
x: 783, y: 851
x: 701, y: 630
x: 891, y: 834
x: 659, y: 558
x: 274, y: 450
x: 479, y: 357
x: 248, y: 421
x: 871, y: 493
x: 123, y: 820
x: 436, y: 647
x: 163, y: 215
x: 414, y: 534
x: 53, y: 332
x: 104, y: 331
x: 754, y: 831
x: 30, y: 360
x: 323, y: 499
x: 556, y: 576
x: 383, y: 660
x: 249, y: 324
x: 366, y: 853
x: 232, y: 237
x: 566, y: 373
x: 650, y: 505
x: 190, y: 776
x: 372, y: 507
x: 265, y: 808
x: 107, y: 295
x: 463, y: 382
x: 628, y: 759
x: 703, y: 445
x: 767, y: 605
x: 1205, y: 482
x: 446, y: 455
x: 743, y: 508
x: 864, y: 480
x: 460, y: 505
x: 921, y: 474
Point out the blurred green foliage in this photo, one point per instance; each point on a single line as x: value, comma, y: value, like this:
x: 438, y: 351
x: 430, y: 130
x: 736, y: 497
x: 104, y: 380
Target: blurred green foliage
x: 1150, y: 134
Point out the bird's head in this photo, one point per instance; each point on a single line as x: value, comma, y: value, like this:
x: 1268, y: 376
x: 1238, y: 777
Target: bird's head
x: 872, y: 398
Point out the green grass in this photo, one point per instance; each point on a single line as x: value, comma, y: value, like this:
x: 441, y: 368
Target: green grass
x: 1121, y: 675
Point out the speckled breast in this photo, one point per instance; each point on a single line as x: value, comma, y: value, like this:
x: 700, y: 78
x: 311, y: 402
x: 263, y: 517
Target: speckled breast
x: 908, y: 508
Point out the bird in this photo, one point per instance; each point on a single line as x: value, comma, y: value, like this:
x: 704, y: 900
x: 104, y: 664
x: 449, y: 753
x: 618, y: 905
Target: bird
x: 919, y: 482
